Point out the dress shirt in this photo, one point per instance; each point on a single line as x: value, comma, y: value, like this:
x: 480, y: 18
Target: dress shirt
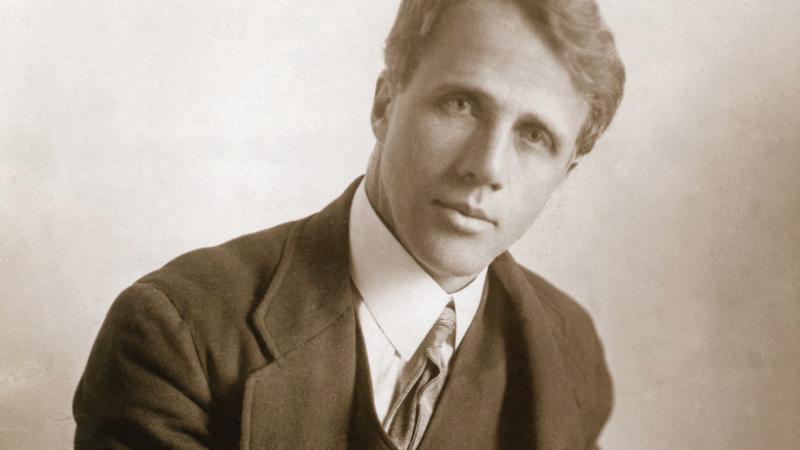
x: 399, y: 301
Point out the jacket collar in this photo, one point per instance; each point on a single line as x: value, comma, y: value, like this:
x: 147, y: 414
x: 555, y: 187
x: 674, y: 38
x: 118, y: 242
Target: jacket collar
x: 311, y: 287
x: 306, y: 321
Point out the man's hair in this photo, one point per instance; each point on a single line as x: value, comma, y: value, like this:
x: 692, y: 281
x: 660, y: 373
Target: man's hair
x: 574, y: 29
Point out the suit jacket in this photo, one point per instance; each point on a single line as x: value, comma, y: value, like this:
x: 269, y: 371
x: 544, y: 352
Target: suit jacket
x: 252, y: 344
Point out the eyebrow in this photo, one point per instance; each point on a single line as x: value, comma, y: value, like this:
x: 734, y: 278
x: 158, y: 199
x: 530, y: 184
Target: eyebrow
x: 485, y: 97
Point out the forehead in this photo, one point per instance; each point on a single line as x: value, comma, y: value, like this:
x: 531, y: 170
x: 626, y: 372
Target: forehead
x: 492, y: 43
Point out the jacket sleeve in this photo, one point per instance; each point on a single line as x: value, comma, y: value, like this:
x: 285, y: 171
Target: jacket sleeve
x: 144, y: 386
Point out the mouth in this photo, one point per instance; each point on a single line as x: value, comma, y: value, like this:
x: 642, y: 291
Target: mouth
x: 469, y: 212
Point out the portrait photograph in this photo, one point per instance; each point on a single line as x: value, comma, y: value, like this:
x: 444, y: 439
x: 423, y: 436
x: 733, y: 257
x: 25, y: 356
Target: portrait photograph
x: 400, y: 224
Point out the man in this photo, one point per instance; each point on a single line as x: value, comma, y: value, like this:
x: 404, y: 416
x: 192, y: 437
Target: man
x: 394, y: 318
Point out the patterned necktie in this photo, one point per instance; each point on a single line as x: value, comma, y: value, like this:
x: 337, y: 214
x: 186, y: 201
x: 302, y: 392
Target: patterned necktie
x: 409, y: 415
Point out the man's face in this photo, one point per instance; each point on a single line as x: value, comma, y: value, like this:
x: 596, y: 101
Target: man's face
x: 471, y: 148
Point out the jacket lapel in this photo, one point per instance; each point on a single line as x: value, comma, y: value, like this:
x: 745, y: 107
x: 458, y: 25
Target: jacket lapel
x: 303, y: 398
x: 555, y: 391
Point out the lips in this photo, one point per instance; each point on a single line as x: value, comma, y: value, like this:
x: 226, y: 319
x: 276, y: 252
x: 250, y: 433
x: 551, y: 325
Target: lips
x: 467, y: 210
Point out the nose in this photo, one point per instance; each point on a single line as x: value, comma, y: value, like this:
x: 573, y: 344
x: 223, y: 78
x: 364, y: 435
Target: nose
x: 484, y: 158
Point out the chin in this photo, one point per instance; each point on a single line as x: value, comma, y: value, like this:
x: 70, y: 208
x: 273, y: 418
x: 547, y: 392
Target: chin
x: 453, y: 260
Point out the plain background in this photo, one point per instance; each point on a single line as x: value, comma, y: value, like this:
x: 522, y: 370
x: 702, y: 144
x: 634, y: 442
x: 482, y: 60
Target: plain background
x: 133, y: 131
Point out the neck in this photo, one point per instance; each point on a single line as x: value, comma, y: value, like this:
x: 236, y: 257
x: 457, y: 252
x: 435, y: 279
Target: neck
x: 450, y: 283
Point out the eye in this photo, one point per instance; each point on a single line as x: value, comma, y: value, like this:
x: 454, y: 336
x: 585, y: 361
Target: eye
x: 457, y: 105
x: 535, y: 136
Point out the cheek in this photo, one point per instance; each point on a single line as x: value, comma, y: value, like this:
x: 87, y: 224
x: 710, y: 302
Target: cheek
x: 531, y: 190
x: 438, y: 141
x: 520, y: 216
x: 540, y: 174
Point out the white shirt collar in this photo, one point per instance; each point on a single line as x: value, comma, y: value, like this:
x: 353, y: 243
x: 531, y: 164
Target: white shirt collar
x: 404, y: 300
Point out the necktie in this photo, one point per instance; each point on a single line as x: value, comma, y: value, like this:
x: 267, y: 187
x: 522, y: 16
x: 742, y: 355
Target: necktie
x: 409, y: 415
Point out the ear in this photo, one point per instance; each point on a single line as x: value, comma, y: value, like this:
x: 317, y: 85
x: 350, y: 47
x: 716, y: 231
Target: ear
x: 572, y: 165
x: 381, y: 106
x: 574, y: 162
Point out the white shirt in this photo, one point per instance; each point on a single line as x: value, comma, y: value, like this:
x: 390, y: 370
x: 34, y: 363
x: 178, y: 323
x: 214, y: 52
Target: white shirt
x: 399, y: 302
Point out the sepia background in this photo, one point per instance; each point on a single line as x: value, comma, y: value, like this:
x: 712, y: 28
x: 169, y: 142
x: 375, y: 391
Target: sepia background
x: 133, y: 131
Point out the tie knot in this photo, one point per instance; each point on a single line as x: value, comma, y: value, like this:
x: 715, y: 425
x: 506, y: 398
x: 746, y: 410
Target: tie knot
x: 444, y: 327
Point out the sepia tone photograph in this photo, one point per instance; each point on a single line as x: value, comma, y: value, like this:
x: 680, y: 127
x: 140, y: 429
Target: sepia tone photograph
x: 400, y: 224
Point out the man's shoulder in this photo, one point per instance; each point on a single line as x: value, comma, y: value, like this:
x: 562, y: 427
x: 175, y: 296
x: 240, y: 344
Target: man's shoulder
x: 578, y: 341
x: 219, y: 284
x: 214, y: 291
x: 571, y: 321
x: 556, y: 300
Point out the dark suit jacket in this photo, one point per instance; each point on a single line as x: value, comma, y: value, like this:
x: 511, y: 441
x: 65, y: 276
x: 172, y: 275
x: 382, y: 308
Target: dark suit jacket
x: 251, y: 344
